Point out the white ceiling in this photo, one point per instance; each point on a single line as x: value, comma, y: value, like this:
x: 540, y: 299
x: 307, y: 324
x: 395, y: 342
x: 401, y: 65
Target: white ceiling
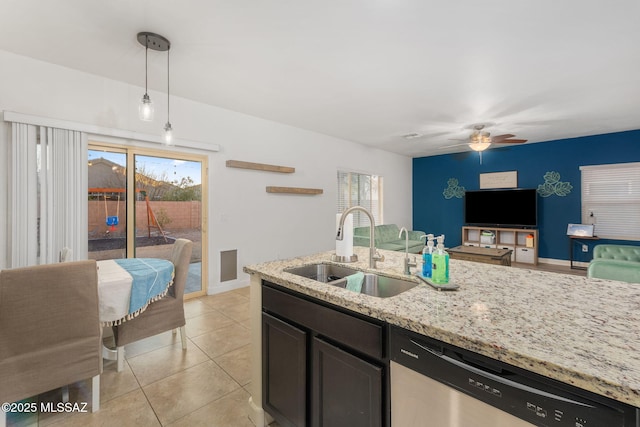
x: 368, y: 71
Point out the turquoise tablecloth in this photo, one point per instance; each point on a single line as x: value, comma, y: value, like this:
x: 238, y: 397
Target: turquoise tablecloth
x: 151, y: 280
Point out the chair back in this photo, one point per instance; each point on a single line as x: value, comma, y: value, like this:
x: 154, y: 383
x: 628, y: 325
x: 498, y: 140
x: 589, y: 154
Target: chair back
x: 181, y: 258
x: 50, y: 333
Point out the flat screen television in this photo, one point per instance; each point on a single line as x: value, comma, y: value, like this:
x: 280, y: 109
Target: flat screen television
x: 516, y: 207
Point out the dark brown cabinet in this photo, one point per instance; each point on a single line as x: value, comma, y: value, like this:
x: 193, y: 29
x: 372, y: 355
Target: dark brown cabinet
x: 346, y: 390
x: 285, y: 368
x: 322, y: 366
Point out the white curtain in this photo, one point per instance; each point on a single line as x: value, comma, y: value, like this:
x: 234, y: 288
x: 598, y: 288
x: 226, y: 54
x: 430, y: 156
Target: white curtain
x: 48, y: 194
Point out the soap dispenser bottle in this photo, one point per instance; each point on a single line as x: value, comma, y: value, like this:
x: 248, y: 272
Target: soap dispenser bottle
x: 440, y: 273
x: 427, y: 257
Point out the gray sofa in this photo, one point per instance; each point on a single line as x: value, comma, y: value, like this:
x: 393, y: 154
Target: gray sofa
x: 386, y: 237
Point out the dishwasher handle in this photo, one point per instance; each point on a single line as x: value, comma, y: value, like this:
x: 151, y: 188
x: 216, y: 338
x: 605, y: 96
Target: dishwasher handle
x: 495, y: 377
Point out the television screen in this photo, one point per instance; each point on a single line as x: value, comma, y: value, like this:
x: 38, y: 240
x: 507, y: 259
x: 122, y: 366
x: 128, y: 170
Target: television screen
x: 502, y: 208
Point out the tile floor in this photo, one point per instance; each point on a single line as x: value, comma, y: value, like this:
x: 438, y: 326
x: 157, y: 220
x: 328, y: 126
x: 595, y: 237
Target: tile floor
x: 163, y: 386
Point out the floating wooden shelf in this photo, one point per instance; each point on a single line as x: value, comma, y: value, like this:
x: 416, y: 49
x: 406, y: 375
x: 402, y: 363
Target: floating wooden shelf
x: 259, y: 166
x: 294, y: 190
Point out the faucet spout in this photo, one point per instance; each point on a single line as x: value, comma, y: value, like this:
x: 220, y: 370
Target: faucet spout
x: 373, y: 254
x: 407, y: 264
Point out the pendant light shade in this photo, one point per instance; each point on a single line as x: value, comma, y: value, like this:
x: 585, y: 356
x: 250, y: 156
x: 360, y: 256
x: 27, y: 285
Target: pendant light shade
x: 168, y: 134
x: 145, y: 109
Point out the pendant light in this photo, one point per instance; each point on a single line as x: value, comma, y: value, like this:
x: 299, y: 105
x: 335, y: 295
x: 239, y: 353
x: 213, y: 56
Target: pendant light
x: 145, y: 109
x: 168, y: 130
x: 155, y: 42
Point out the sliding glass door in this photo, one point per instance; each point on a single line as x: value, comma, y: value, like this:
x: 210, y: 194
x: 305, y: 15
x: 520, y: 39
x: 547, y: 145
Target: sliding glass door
x: 168, y: 206
x: 141, y: 201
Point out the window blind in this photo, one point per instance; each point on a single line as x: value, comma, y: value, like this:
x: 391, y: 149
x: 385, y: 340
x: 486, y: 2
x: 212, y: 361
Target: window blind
x: 611, y: 200
x: 356, y: 189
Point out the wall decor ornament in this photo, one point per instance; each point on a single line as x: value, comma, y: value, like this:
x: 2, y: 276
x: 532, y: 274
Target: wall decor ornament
x: 553, y: 186
x: 453, y: 189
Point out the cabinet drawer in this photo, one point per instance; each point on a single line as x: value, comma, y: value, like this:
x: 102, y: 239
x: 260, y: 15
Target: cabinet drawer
x: 349, y: 330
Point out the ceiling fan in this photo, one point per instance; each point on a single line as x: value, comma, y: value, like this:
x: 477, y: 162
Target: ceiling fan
x: 480, y: 140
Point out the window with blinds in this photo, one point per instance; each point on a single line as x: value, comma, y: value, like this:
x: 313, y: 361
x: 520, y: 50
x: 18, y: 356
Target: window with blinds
x: 356, y: 189
x: 611, y: 200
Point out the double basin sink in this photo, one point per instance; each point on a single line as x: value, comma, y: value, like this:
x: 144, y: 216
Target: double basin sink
x: 373, y: 284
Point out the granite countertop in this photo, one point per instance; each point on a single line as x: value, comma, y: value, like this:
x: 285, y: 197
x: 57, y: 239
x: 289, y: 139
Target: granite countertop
x: 584, y: 332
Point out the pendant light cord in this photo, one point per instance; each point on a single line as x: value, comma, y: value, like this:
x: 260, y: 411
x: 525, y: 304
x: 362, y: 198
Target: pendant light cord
x: 168, y: 50
x: 146, y: 64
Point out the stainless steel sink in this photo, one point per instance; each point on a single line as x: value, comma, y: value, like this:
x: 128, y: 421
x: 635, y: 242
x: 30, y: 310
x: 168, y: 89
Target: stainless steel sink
x: 322, y: 272
x: 373, y: 284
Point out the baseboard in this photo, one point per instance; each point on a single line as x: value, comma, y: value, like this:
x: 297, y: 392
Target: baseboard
x: 562, y: 262
x: 257, y: 415
x: 225, y: 287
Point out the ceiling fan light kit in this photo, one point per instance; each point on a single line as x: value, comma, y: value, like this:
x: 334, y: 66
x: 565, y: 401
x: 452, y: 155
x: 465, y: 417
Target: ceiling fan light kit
x: 479, y: 146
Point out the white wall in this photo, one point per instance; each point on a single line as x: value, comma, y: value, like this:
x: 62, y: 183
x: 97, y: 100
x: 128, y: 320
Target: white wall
x: 242, y: 215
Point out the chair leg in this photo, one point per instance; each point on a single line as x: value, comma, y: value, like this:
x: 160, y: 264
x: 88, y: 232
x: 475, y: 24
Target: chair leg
x: 183, y: 337
x: 95, y: 393
x: 120, y: 359
x: 65, y: 394
x: 3, y: 418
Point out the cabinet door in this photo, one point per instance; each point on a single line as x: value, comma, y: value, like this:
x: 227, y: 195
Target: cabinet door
x: 346, y: 390
x: 284, y: 371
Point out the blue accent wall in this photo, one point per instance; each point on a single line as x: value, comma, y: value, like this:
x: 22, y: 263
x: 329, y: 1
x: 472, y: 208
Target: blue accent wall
x: 433, y: 213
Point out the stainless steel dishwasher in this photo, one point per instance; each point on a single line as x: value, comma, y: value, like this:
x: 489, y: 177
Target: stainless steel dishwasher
x: 434, y: 384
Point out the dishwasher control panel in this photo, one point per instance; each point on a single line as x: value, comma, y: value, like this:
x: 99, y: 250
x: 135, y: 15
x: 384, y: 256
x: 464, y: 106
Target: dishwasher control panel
x: 526, y: 395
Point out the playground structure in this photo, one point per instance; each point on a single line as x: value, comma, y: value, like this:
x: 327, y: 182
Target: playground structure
x: 112, y: 221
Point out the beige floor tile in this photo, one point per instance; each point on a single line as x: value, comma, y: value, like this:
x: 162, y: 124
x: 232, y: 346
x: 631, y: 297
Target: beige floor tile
x: 238, y: 312
x: 207, y: 322
x: 225, y: 299
x: 237, y: 363
x: 114, y: 384
x: 228, y: 411
x: 195, y: 307
x: 163, y: 362
x: 152, y: 343
x: 243, y: 291
x: 223, y: 340
x: 182, y: 393
x: 131, y: 409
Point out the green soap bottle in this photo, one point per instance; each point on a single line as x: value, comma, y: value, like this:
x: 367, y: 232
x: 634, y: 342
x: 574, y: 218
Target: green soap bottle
x: 440, y: 271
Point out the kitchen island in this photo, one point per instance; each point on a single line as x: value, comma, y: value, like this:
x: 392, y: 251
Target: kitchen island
x: 579, y: 331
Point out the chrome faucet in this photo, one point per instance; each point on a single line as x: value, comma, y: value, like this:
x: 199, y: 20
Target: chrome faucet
x: 407, y: 264
x: 373, y: 253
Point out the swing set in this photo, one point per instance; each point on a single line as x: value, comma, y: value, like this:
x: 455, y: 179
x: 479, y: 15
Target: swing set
x: 112, y: 221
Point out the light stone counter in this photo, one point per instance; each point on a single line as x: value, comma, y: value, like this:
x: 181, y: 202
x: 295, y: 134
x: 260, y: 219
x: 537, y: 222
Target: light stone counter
x: 585, y: 332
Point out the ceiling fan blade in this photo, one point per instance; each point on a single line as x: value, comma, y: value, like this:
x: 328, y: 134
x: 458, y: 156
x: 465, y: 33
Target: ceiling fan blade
x: 451, y: 146
x: 499, y: 138
x: 510, y: 141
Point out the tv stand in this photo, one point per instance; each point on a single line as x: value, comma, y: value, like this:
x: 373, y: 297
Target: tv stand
x: 522, y: 241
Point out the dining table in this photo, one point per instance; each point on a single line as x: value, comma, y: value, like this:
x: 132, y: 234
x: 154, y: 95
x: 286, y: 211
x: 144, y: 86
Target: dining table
x: 127, y: 286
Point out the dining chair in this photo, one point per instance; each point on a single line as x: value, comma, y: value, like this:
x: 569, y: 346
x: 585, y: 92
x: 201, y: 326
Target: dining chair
x: 163, y: 315
x: 50, y: 334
